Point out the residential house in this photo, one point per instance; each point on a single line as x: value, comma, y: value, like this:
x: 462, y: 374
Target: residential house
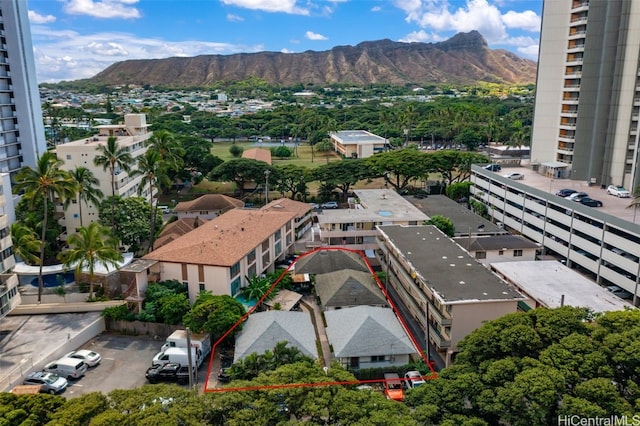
x: 206, y: 206
x: 324, y: 260
x: 219, y: 255
x: 442, y: 285
x: 499, y: 248
x: 346, y: 288
x: 263, y: 330
x: 133, y: 135
x: 368, y: 337
x: 357, y: 143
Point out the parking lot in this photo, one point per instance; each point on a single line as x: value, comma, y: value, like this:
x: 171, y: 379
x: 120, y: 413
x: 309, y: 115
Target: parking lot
x: 125, y: 359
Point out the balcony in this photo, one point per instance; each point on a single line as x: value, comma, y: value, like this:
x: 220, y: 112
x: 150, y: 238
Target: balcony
x: 438, y: 339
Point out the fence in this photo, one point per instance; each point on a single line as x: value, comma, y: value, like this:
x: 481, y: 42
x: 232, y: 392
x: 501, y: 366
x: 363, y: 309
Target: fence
x: 137, y: 328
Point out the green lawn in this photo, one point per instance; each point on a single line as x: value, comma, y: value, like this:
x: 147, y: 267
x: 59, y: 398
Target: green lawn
x: 302, y: 156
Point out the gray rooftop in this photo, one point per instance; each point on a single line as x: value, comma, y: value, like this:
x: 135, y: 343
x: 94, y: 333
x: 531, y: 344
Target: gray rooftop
x: 365, y: 331
x: 464, y: 220
x: 360, y: 137
x: 323, y: 261
x: 263, y: 330
x: 376, y: 205
x: 347, y: 288
x: 496, y: 242
x: 546, y: 281
x: 446, y: 267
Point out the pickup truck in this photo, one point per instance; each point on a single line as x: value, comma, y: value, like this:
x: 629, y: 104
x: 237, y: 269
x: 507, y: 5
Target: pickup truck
x: 170, y: 372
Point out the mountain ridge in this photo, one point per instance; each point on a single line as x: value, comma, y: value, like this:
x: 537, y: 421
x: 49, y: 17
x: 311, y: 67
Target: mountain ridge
x: 465, y: 58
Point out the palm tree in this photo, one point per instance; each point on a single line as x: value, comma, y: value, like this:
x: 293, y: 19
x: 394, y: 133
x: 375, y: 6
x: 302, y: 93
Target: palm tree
x: 112, y: 156
x: 45, y: 183
x: 635, y: 203
x: 92, y: 245
x: 154, y: 175
x: 169, y: 149
x: 86, y: 185
x: 25, y: 243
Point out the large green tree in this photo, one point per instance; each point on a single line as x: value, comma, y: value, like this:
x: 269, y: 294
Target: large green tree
x: 214, y: 314
x: 114, y: 158
x: 240, y: 171
x: 92, y: 246
x: 45, y: 184
x: 133, y: 215
x: 290, y: 178
x: 343, y: 174
x: 401, y: 166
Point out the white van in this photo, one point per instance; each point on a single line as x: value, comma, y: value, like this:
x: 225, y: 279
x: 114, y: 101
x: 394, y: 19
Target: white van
x: 71, y: 368
x: 176, y: 356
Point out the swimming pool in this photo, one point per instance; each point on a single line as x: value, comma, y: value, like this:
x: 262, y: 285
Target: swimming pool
x: 52, y: 280
x: 248, y: 303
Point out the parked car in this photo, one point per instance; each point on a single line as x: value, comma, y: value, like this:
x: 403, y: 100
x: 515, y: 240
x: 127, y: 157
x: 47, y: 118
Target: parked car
x: 620, y: 292
x: 49, y: 382
x: 413, y: 379
x: 329, y: 205
x: 314, y: 206
x: 590, y: 202
x: 71, y: 368
x: 225, y: 365
x: 90, y: 358
x: 514, y: 176
x: 493, y: 167
x: 170, y: 372
x: 577, y: 196
x: 618, y: 191
x: 393, y: 387
x: 565, y: 192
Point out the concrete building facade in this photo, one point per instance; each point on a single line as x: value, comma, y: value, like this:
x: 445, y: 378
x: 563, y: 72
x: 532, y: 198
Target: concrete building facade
x: 9, y: 295
x: 588, y: 92
x: 22, y: 138
x: 132, y: 135
x: 357, y: 143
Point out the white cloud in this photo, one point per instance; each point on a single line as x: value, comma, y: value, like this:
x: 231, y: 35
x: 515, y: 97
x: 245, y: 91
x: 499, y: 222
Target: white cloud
x: 285, y: 6
x: 105, y: 9
x: 234, y: 18
x: 477, y: 15
x: 530, y: 52
x: 36, y: 18
x: 314, y: 36
x: 68, y: 55
x: 422, y: 37
x: 285, y: 50
x: 376, y: 9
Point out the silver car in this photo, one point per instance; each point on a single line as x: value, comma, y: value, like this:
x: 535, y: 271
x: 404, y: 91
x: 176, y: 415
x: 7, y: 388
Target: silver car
x: 49, y: 382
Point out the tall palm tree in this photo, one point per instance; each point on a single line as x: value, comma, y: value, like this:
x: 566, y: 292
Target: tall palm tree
x: 86, y: 183
x: 154, y: 175
x: 90, y: 246
x: 46, y: 183
x: 25, y: 243
x: 112, y: 156
x: 169, y: 149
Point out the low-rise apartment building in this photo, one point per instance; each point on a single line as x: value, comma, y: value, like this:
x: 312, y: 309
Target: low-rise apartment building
x: 221, y: 254
x: 499, y: 248
x: 445, y: 290
x: 357, y: 143
x: 132, y: 135
x: 605, y: 247
x: 355, y: 227
x: 303, y: 214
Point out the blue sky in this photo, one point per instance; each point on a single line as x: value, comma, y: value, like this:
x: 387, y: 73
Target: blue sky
x: 76, y: 39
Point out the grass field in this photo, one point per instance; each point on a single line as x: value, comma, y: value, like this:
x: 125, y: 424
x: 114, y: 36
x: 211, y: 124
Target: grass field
x: 301, y: 157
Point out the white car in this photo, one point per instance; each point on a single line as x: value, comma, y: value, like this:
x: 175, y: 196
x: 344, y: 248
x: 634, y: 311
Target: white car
x: 413, y: 379
x: 89, y: 357
x: 618, y: 191
x: 514, y: 176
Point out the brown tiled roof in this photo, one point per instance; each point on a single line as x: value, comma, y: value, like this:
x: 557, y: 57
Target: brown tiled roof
x: 258, y: 154
x: 176, y: 229
x: 209, y: 202
x: 288, y: 205
x: 224, y: 240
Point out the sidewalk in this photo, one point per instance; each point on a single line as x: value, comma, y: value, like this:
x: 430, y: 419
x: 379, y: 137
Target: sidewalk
x: 309, y: 304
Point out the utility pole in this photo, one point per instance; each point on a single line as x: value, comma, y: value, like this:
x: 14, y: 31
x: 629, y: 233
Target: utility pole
x: 189, y: 360
x: 266, y: 187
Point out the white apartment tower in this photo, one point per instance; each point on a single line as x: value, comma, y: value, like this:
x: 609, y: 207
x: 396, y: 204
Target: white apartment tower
x: 588, y: 91
x: 22, y: 138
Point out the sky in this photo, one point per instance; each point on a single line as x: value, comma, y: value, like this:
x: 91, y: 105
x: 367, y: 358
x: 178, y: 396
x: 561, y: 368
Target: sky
x: 75, y: 39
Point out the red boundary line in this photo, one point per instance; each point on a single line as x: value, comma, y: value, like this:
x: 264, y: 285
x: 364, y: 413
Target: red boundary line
x: 297, y: 385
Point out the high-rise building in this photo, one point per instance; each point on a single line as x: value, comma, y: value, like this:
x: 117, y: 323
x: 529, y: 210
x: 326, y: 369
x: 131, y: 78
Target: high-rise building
x: 588, y: 92
x: 22, y: 138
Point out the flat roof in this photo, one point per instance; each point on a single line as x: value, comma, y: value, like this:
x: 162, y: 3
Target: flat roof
x: 496, y: 242
x: 448, y: 269
x: 376, y: 205
x: 359, y: 137
x: 546, y: 281
x: 464, y: 220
